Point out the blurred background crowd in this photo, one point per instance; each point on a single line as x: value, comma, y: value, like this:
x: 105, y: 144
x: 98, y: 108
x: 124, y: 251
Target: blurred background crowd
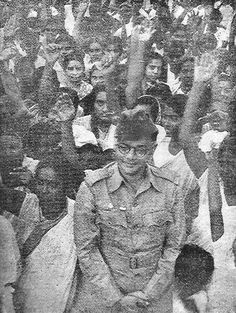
x: 67, y: 71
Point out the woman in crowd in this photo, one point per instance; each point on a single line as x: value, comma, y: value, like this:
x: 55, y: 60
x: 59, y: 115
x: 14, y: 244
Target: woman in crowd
x: 73, y: 66
x: 87, y: 142
x: 47, y: 245
x: 95, y: 52
x: 61, y: 90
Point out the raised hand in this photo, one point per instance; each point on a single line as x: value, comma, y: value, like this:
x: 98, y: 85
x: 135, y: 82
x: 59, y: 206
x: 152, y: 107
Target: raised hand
x: 144, y: 32
x: 81, y: 8
x: 63, y: 110
x: 205, y: 67
x: 8, y: 53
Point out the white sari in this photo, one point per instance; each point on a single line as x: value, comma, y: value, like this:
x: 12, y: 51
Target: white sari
x: 177, y: 163
x: 47, y: 276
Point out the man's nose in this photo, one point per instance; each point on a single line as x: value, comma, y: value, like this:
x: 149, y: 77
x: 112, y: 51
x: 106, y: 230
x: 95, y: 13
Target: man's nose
x: 131, y: 154
x: 155, y: 70
x: 105, y: 107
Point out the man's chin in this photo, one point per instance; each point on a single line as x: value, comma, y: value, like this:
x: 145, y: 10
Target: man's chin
x: 129, y: 169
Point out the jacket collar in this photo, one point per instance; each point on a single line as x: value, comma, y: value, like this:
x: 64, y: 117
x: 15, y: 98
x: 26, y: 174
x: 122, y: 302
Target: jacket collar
x: 116, y: 180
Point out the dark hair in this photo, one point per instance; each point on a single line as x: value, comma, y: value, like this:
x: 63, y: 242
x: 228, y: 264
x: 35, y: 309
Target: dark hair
x: 193, y: 270
x: 36, y: 132
x: 100, y: 40
x: 151, y: 101
x: 72, y: 57
x: 66, y: 38
x: 22, y: 61
x: 160, y: 91
x: 175, y: 49
x: 55, y: 22
x: 135, y: 125
x: 157, y: 56
x: 117, y: 42
x: 184, y: 59
x: 57, y: 163
x: 178, y: 103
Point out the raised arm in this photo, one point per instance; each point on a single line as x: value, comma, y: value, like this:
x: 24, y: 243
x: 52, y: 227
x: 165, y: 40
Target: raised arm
x: 204, y: 69
x: 77, y: 27
x: 139, y: 40
x: 214, y: 197
x: 48, y: 88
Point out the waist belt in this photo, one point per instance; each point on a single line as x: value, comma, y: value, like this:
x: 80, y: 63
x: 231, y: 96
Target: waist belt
x: 133, y: 261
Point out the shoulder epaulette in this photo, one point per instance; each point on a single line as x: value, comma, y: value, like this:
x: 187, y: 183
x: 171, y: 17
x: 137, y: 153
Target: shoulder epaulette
x: 92, y: 177
x: 172, y: 176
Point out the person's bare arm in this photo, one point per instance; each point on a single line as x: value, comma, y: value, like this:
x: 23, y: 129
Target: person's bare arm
x: 136, y: 68
x: 64, y: 112
x: 47, y: 87
x: 204, y: 69
x: 77, y: 27
x: 214, y: 197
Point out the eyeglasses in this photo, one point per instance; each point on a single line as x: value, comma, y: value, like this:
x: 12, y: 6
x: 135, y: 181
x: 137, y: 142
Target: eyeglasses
x: 140, y: 152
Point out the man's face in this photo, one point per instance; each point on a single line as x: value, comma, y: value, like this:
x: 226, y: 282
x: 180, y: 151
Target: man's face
x: 74, y: 71
x: 187, y: 74
x: 113, y: 51
x: 101, y: 107
x: 95, y: 52
x: 132, y: 156
x: 170, y: 121
x: 153, y: 70
x: 48, y: 187
x: 65, y: 49
x: 97, y: 78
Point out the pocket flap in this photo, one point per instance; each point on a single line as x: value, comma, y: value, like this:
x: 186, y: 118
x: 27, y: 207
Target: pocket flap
x: 157, y: 218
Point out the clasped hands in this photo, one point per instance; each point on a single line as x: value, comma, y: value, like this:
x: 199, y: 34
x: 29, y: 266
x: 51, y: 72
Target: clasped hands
x: 132, y: 302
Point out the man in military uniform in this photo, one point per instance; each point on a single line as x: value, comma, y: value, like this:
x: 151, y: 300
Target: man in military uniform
x: 129, y: 227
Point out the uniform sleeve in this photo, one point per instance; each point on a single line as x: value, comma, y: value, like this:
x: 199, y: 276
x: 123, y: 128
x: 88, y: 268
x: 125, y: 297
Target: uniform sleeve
x: 91, y: 262
x: 175, y: 237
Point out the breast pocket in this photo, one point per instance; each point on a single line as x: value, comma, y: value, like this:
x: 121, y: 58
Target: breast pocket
x: 156, y: 223
x: 111, y: 218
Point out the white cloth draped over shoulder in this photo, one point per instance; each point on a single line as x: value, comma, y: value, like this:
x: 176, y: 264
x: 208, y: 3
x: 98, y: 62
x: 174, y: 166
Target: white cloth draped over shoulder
x: 47, y: 276
x: 201, y: 231
x: 164, y: 159
x: 83, y: 134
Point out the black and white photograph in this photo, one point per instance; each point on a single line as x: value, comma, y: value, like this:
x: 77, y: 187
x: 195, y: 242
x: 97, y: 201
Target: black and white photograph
x: 117, y: 156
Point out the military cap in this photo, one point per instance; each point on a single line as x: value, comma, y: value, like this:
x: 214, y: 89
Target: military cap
x: 135, y: 125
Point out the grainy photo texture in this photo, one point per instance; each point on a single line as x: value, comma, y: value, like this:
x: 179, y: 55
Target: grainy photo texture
x: 117, y: 156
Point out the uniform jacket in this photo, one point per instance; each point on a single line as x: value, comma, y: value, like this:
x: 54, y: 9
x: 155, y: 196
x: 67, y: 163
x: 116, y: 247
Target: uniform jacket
x: 127, y: 241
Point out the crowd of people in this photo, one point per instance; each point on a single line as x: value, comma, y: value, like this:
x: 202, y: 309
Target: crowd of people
x: 117, y: 156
